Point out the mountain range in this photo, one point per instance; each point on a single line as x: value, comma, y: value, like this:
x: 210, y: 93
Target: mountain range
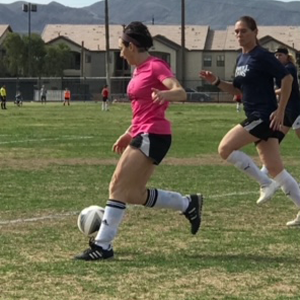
x: 216, y: 13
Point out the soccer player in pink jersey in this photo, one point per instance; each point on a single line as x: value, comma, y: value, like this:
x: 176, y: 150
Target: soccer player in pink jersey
x: 144, y: 144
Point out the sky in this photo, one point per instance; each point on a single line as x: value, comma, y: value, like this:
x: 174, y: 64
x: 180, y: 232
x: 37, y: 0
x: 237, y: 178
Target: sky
x: 75, y: 3
x: 72, y: 3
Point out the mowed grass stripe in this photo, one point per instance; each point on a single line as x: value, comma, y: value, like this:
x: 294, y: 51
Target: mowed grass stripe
x: 242, y: 252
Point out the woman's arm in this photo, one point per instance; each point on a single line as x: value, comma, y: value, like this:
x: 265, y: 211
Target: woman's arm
x: 174, y: 93
x: 225, y: 86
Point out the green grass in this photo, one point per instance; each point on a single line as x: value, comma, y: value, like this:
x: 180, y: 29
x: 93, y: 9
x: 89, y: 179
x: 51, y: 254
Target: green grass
x: 57, y: 160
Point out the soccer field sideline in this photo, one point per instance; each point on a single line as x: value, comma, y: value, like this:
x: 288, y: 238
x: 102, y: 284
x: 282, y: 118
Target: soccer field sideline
x: 72, y: 213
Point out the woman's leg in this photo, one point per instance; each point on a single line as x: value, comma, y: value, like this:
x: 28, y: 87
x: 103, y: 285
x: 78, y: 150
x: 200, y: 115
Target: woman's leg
x: 234, y: 140
x: 229, y: 147
x: 284, y: 130
x: 269, y: 152
x: 128, y: 185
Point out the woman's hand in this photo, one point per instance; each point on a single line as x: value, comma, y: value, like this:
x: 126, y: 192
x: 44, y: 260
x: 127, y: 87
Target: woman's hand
x: 276, y: 119
x: 208, y: 76
x: 122, y: 142
x: 158, y: 96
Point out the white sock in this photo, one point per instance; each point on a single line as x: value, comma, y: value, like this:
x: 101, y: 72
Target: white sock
x: 166, y: 199
x: 113, y: 216
x: 103, y: 105
x: 244, y: 163
x: 264, y: 170
x: 289, y: 186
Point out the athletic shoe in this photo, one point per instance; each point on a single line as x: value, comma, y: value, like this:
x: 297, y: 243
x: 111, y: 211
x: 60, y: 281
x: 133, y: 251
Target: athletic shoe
x: 95, y: 252
x: 295, y: 222
x: 267, y: 192
x: 194, y: 211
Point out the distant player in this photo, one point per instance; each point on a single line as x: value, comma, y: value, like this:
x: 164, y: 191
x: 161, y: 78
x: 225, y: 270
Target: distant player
x: 67, y: 96
x: 3, y: 97
x: 43, y: 94
x: 238, y: 100
x: 105, y: 94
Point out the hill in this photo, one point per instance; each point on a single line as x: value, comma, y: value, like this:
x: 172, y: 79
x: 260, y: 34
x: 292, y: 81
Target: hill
x: 216, y: 13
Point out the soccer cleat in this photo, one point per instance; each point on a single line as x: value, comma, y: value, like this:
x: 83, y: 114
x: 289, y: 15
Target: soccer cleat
x: 194, y: 211
x: 267, y: 192
x: 95, y: 252
x: 295, y: 222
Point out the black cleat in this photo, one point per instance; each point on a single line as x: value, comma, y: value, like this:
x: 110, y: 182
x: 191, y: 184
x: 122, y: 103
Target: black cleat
x: 194, y: 211
x: 95, y: 252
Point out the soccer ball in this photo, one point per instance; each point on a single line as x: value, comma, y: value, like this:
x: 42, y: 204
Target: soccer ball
x: 89, y: 220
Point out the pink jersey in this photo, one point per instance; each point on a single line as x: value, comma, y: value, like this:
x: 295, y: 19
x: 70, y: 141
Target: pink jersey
x: 149, y: 117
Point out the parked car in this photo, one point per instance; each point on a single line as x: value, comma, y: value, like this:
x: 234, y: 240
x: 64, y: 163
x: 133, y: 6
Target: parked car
x: 195, y: 96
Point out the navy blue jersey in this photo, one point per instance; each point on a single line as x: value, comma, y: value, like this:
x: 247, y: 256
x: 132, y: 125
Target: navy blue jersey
x: 254, y: 76
x: 293, y: 104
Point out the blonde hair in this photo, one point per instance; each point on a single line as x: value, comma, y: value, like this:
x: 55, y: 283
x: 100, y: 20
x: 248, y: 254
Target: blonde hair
x: 291, y: 59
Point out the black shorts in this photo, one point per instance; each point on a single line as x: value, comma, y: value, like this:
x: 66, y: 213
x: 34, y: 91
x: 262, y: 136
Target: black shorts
x: 104, y: 99
x: 154, y: 146
x: 261, y: 129
x: 292, y: 119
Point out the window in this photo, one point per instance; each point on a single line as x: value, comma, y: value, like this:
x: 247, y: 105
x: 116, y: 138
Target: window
x: 88, y: 59
x: 207, y: 61
x: 162, y: 55
x: 220, y: 61
x: 121, y: 65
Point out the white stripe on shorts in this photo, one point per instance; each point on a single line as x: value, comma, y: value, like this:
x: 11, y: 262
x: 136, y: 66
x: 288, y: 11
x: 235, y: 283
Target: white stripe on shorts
x: 145, y: 147
x: 296, y: 124
x: 253, y: 124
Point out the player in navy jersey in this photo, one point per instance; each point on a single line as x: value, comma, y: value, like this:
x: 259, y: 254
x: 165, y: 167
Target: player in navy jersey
x: 254, y: 78
x: 292, y: 110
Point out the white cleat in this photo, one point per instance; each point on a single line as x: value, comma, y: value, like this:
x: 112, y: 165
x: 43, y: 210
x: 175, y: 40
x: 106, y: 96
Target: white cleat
x: 295, y: 222
x: 267, y: 192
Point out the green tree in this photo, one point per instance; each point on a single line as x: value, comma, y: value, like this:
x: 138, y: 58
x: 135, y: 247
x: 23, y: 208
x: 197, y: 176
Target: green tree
x: 57, y: 59
x: 34, y: 58
x: 14, y: 53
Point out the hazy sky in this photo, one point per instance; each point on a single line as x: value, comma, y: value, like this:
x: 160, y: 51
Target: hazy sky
x: 72, y: 3
x: 75, y: 3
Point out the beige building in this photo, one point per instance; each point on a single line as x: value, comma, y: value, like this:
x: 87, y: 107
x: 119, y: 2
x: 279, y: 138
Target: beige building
x: 4, y: 31
x: 214, y: 50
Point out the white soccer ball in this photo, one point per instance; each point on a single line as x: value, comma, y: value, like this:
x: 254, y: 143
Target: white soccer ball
x: 89, y: 220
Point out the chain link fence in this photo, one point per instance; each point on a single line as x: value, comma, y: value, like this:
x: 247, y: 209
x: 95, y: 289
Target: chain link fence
x: 89, y: 89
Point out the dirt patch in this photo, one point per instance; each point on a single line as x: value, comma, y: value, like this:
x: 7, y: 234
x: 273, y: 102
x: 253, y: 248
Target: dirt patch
x: 40, y: 163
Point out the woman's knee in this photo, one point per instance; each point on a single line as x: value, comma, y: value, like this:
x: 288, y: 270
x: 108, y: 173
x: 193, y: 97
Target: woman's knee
x: 224, y: 150
x: 126, y: 192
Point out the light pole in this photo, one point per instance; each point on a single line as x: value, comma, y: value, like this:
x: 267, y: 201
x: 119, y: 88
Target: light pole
x: 29, y: 7
x: 183, y: 42
x: 107, y: 45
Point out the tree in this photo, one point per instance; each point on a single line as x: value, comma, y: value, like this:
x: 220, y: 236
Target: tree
x: 57, y: 59
x: 35, y: 52
x: 14, y: 52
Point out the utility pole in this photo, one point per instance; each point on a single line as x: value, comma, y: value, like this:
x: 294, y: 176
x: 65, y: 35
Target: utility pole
x: 29, y: 7
x: 183, y: 42
x: 107, y: 45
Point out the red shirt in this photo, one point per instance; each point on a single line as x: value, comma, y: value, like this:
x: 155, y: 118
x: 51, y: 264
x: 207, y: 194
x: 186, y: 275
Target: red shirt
x: 105, y: 92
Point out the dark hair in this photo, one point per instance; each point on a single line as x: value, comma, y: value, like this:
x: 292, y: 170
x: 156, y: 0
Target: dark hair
x: 138, y: 34
x: 251, y: 24
x: 282, y: 50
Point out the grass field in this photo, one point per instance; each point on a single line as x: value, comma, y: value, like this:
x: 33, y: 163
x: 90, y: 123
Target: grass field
x: 57, y: 160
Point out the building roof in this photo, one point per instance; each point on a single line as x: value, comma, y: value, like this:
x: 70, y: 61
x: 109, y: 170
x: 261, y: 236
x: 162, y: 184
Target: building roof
x: 4, y: 28
x: 94, y: 35
x: 288, y: 35
x: 196, y: 37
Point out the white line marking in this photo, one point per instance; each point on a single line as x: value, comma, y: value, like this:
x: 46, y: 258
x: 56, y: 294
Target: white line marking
x: 58, y: 216
x: 72, y: 213
x: 42, y: 140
